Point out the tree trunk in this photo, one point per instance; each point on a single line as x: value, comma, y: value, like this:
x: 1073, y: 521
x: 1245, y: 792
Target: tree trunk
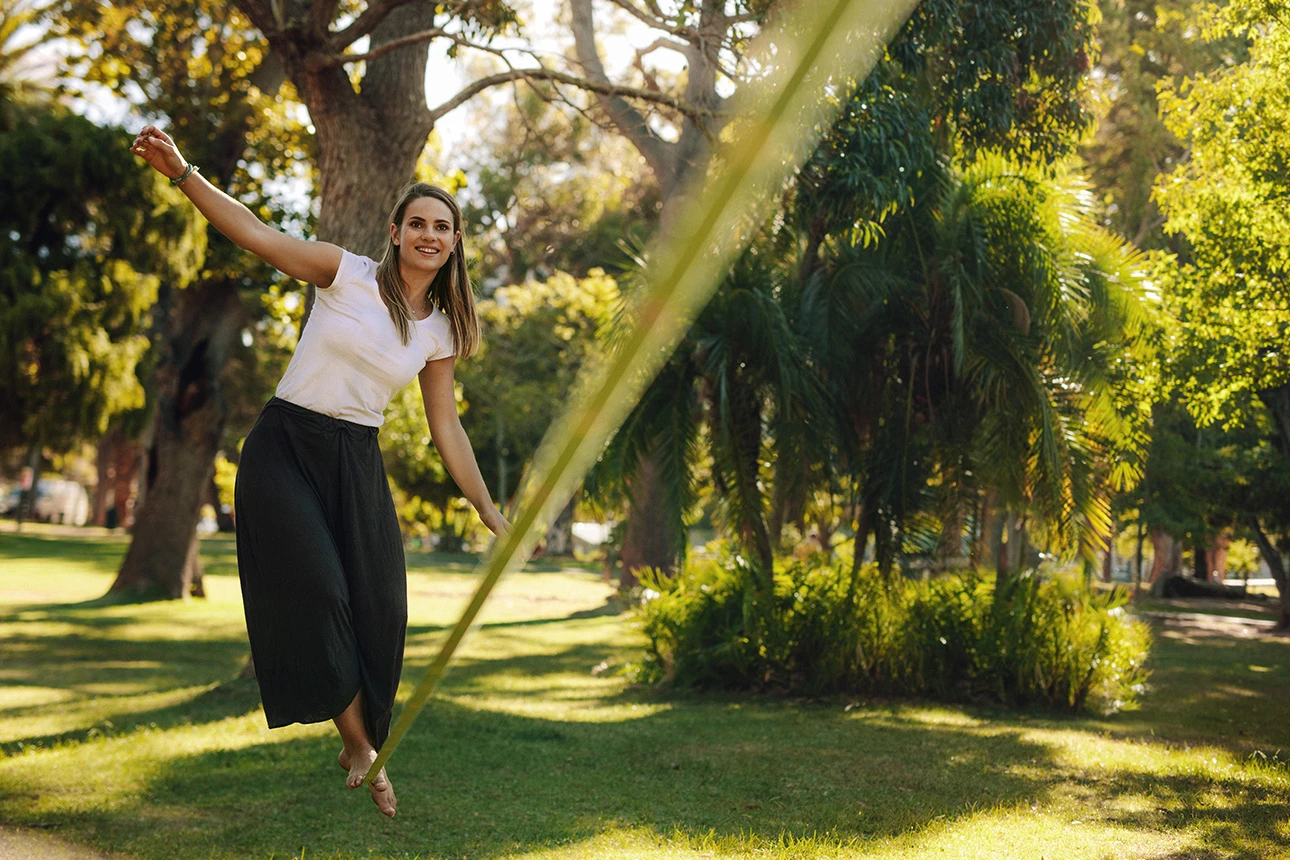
x: 103, y: 466
x: 1108, y: 557
x: 997, y: 540
x: 188, y: 424
x: 647, y: 534
x: 1216, y: 557
x: 1199, y: 562
x: 1166, y: 556
x: 788, y: 495
x: 118, y: 464
x: 1137, y: 561
x: 1276, y: 565
x: 126, y: 468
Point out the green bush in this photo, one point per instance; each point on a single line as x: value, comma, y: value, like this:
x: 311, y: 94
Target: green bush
x: 1037, y: 640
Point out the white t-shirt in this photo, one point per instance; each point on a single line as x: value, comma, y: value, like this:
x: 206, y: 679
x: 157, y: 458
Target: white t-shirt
x: 350, y: 362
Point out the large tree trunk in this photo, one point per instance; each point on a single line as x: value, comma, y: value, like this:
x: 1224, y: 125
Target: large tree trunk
x: 188, y: 424
x: 1276, y: 565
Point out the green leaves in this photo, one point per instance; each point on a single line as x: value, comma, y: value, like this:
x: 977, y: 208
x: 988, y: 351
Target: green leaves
x: 1227, y: 202
x: 85, y: 238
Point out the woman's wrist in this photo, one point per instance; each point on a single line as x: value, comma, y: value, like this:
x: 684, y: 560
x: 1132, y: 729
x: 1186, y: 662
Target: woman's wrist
x: 189, y: 170
x: 493, y: 519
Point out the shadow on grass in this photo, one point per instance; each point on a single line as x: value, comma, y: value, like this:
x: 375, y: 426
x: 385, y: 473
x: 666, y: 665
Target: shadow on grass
x: 1232, y: 692
x: 222, y: 700
x: 610, y: 608
x: 481, y: 784
x: 484, y: 784
x: 105, y: 552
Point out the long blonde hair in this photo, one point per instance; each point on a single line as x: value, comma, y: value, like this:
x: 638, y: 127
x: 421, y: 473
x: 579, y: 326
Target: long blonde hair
x: 450, y: 290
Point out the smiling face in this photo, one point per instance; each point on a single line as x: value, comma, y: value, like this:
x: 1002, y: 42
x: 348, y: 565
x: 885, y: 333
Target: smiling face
x: 426, y: 237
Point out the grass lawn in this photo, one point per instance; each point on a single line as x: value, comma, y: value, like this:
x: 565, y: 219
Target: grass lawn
x: 124, y: 728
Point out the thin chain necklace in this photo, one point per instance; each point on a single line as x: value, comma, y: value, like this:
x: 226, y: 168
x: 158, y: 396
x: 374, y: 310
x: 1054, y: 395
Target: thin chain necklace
x: 424, y: 311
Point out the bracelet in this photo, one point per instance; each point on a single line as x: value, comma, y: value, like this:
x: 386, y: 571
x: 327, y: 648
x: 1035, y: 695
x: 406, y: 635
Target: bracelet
x: 192, y: 168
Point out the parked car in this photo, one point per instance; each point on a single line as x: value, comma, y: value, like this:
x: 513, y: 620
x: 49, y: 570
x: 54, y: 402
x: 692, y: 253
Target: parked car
x: 57, y: 501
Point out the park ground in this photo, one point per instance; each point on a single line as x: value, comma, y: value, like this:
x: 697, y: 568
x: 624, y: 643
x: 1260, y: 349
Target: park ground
x: 126, y: 733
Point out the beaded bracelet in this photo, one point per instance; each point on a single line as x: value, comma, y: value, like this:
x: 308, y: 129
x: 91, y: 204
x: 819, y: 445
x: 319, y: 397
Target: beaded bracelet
x: 192, y: 168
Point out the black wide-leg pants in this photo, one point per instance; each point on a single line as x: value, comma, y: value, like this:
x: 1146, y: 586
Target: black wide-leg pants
x: 320, y: 557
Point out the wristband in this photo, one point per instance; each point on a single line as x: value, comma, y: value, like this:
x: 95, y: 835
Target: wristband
x: 192, y: 168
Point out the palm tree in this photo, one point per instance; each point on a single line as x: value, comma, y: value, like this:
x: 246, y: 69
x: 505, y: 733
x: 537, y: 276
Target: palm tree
x: 737, y: 374
x: 975, y: 353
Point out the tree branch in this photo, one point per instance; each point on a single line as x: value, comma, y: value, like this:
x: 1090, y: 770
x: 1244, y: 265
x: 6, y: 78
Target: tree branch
x: 658, y: 153
x: 363, y: 25
x: 322, y: 60
x: 603, y: 88
x: 654, y: 21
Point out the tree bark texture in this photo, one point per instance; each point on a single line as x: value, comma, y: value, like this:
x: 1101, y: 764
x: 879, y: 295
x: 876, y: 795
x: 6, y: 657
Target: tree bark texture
x: 188, y: 423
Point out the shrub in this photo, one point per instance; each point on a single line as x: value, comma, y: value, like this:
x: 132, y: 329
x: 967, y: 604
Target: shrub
x: 1037, y: 640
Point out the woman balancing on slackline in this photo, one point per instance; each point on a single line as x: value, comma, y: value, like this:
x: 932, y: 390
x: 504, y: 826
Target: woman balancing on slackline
x: 319, y: 552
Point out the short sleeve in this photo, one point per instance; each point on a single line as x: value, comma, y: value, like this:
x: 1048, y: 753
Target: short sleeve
x: 442, y: 345
x: 353, y: 268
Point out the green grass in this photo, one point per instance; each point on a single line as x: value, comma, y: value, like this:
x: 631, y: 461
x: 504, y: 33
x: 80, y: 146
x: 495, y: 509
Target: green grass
x: 125, y: 728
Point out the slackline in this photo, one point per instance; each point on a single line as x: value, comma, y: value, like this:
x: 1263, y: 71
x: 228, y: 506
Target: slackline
x: 779, y: 118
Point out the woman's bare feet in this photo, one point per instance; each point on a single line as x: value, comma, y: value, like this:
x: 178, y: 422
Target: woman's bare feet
x: 358, y: 763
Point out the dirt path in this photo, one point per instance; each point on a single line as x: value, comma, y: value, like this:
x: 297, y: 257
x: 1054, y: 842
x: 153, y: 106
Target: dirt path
x: 1199, y: 625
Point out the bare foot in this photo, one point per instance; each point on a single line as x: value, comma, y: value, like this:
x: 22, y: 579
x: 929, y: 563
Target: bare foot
x: 358, y: 764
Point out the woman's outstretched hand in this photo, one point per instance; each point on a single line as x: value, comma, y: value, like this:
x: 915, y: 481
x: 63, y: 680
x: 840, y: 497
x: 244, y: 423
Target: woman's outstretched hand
x: 156, y: 147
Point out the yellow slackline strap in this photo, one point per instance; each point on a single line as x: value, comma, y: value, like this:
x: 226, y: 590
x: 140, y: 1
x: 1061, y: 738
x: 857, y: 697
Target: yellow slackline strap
x: 825, y: 42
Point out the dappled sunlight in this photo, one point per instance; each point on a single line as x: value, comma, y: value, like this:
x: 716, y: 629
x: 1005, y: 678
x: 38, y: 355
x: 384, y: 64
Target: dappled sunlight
x: 126, y: 725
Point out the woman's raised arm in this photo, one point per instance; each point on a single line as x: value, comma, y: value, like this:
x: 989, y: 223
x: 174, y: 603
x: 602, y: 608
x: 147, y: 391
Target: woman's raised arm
x: 311, y: 262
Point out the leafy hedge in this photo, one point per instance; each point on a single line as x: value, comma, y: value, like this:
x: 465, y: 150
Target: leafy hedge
x: 1038, y: 640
